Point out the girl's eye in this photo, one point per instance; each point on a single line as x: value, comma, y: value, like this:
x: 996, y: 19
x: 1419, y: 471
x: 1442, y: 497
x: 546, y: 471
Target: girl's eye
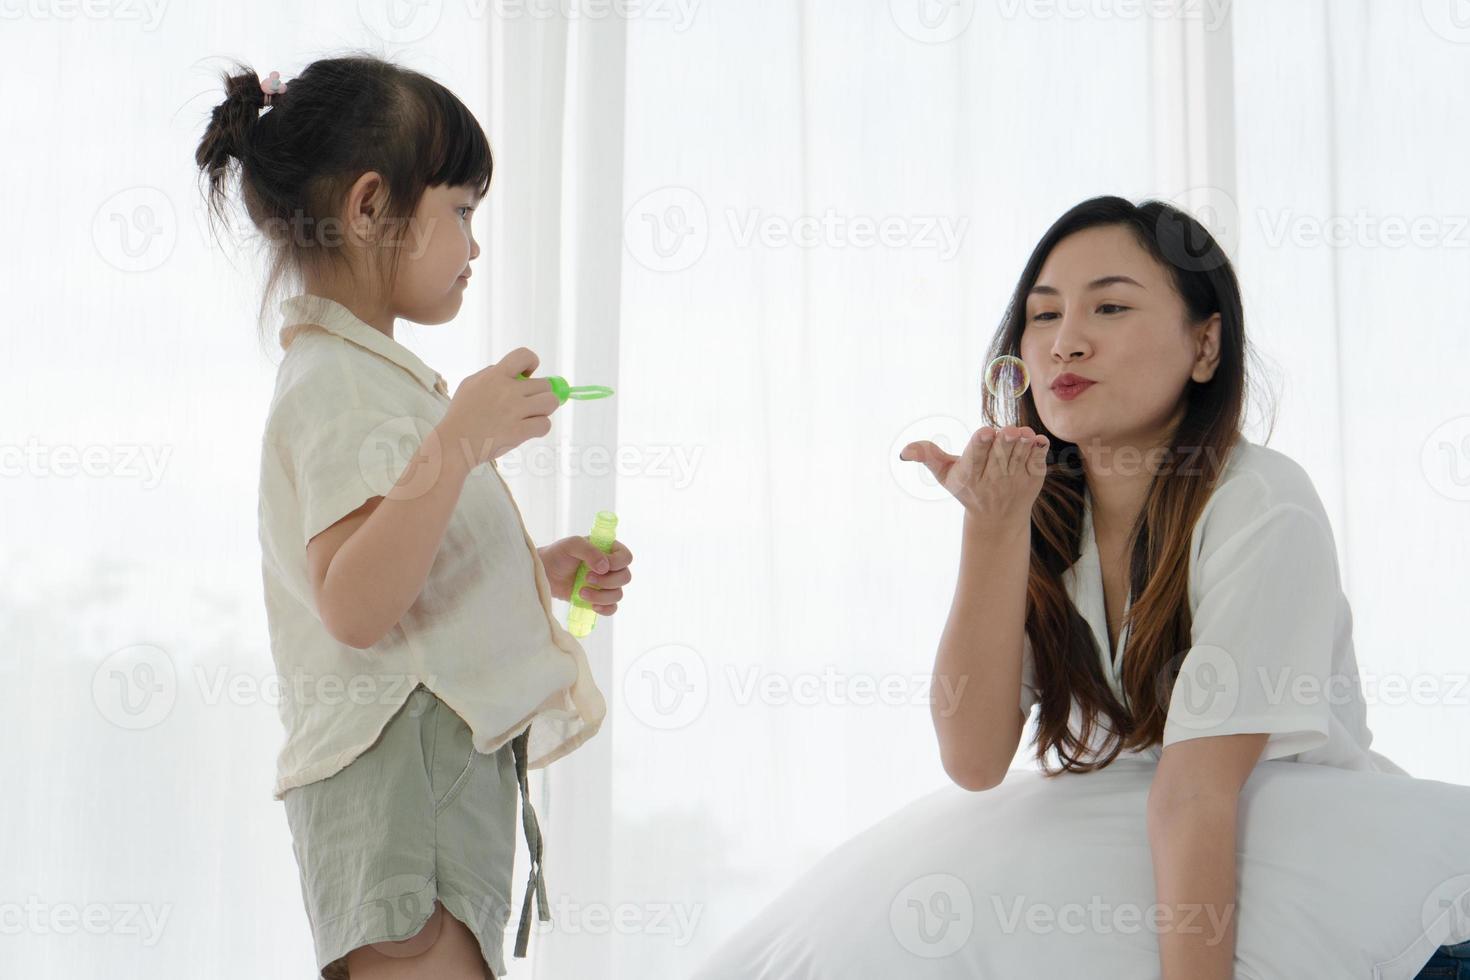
x: 464, y: 207
x: 1042, y: 316
x: 1113, y: 306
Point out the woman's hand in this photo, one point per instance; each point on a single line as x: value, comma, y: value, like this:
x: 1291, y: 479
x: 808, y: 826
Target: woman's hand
x: 606, y: 574
x: 997, y: 477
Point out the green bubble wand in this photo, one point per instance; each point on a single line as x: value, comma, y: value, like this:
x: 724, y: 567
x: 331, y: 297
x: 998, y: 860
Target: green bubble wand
x: 563, y: 391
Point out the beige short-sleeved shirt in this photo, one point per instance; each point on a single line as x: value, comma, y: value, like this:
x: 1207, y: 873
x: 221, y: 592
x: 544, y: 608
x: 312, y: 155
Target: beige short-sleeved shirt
x: 351, y: 407
x: 1271, y: 638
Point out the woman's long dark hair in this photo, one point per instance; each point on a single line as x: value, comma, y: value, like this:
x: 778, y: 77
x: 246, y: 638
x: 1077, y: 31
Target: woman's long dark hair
x: 338, y: 119
x: 1067, y: 659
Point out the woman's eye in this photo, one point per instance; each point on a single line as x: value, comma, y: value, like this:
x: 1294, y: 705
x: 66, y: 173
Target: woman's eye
x: 1104, y: 308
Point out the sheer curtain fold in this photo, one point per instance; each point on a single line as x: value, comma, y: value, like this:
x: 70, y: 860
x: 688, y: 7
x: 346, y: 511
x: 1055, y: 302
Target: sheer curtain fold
x: 556, y: 125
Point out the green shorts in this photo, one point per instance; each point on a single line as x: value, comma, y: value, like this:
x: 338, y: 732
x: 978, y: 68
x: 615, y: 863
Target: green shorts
x: 420, y: 815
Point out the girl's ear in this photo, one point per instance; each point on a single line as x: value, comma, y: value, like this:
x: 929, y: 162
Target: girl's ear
x: 364, y: 198
x: 364, y: 204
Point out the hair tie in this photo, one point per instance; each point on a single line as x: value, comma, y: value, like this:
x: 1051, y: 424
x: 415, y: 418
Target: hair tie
x: 272, y: 85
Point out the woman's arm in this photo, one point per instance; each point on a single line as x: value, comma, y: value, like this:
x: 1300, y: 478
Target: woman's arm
x: 1192, y: 805
x: 976, y: 684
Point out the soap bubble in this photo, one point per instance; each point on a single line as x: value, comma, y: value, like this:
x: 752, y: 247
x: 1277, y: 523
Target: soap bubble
x: 1007, y: 377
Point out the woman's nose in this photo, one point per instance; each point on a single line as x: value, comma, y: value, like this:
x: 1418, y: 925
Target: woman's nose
x: 1068, y: 341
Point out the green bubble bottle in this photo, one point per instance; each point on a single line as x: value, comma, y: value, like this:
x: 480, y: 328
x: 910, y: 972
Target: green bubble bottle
x: 582, y: 618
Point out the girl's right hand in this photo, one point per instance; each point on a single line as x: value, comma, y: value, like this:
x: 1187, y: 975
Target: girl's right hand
x: 996, y: 480
x: 493, y: 411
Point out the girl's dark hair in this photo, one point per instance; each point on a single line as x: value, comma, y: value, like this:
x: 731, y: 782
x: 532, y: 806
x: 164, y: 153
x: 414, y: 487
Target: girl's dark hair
x: 338, y: 119
x: 1068, y: 663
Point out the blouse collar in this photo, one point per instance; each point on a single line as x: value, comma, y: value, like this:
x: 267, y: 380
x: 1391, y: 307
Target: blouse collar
x: 308, y: 308
x: 1087, y: 592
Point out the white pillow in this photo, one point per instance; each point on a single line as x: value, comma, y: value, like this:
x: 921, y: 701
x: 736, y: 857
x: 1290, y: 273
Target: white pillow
x: 1342, y: 874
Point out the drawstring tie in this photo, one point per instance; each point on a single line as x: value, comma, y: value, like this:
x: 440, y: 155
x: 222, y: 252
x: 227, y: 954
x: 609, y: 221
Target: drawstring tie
x: 537, y: 883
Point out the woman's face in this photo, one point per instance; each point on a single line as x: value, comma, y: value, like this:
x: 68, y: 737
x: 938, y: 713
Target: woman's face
x: 437, y: 249
x: 1104, y: 309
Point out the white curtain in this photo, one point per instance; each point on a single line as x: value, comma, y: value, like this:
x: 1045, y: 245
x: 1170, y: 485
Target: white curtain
x: 802, y: 555
x: 1354, y: 222
x: 784, y: 233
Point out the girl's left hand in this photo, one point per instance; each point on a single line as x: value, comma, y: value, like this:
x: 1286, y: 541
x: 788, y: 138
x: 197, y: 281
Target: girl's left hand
x: 603, y: 588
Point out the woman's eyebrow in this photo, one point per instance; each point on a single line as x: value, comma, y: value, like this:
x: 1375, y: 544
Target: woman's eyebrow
x: 1095, y: 284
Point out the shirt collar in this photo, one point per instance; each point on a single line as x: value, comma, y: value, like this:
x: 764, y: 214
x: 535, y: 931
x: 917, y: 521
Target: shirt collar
x: 1087, y: 586
x: 308, y: 308
x: 1087, y: 592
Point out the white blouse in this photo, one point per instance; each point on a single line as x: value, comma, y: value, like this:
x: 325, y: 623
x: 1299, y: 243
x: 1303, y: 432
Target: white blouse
x: 350, y: 408
x: 1271, y: 640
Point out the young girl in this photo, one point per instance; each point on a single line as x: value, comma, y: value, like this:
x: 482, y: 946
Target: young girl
x: 423, y: 671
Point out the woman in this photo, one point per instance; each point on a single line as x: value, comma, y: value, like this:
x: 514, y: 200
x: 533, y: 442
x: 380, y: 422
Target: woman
x: 1117, y: 479
x: 1167, y: 593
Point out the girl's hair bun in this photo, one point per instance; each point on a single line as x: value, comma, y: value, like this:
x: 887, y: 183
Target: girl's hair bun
x: 230, y: 125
